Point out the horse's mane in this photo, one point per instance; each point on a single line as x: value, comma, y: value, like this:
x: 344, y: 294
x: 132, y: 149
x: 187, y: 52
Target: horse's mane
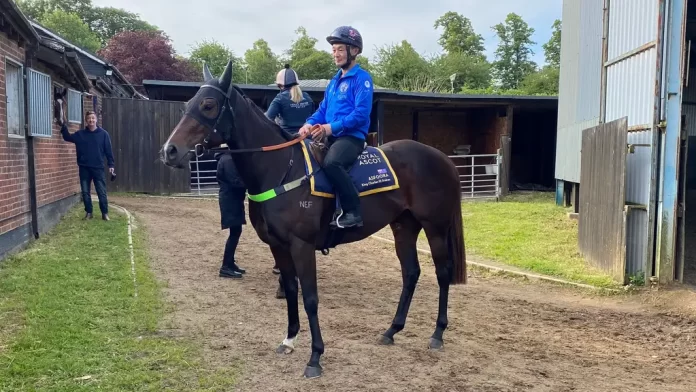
x: 260, y: 116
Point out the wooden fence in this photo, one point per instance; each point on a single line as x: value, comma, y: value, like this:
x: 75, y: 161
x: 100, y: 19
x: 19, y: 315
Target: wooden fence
x: 138, y: 128
x: 602, y: 219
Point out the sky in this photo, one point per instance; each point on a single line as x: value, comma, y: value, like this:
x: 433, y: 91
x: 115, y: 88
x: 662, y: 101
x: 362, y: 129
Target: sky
x: 238, y: 24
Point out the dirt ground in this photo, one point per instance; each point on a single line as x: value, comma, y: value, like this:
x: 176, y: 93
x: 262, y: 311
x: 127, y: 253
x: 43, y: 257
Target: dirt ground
x: 503, y: 335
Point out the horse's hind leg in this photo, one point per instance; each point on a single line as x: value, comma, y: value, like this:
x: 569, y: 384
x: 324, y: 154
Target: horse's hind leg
x: 437, y: 238
x: 405, y: 229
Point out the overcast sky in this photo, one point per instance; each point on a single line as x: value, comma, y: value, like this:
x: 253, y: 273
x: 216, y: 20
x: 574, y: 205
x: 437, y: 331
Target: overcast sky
x: 239, y: 23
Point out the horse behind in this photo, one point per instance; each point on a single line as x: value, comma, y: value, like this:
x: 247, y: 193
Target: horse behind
x: 296, y: 223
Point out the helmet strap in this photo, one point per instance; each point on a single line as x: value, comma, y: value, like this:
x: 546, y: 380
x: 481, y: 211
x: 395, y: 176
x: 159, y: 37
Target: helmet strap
x: 349, y: 57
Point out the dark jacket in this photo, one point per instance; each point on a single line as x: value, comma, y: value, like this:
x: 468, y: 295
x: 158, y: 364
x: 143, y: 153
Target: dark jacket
x: 232, y: 193
x: 91, y: 147
x: 291, y: 115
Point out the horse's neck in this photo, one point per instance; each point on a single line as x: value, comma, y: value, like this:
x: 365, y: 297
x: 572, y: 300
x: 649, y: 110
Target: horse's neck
x: 261, y: 171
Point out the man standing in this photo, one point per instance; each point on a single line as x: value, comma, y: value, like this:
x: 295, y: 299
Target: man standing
x: 92, y: 145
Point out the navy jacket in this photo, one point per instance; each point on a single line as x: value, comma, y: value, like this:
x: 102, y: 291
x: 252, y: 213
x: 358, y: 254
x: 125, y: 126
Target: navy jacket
x: 347, y: 104
x: 292, y: 116
x: 91, y: 147
x: 232, y: 193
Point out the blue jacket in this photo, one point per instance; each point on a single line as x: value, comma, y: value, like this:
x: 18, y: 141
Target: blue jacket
x: 292, y: 116
x: 91, y: 147
x: 347, y: 104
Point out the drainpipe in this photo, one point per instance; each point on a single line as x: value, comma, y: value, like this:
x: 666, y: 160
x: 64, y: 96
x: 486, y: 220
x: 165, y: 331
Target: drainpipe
x: 29, y: 54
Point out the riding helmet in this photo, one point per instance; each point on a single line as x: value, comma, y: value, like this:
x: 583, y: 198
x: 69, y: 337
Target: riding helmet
x: 346, y: 35
x: 287, y: 77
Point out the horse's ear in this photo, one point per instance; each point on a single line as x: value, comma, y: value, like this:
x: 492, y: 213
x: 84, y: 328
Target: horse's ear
x: 226, y: 77
x: 207, y: 76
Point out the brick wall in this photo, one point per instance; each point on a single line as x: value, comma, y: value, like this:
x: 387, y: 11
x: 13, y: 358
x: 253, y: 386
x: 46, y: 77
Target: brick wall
x: 56, y: 167
x: 14, y: 183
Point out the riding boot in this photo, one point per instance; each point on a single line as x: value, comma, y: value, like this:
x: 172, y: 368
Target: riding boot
x: 349, y: 219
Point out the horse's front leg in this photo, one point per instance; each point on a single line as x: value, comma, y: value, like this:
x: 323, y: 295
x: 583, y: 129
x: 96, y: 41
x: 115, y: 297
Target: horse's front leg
x: 288, y: 275
x: 305, y: 264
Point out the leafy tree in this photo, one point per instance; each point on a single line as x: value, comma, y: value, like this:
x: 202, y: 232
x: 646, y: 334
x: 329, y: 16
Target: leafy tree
x: 262, y: 64
x: 143, y: 55
x: 36, y: 9
x: 216, y: 55
x: 544, y: 82
x: 69, y: 26
x: 106, y: 22
x: 552, y: 48
x: 470, y: 71
x: 396, y: 63
x: 458, y: 35
x: 513, y: 61
x: 308, y: 61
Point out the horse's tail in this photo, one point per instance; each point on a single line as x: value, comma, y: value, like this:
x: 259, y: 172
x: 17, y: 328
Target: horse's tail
x: 457, y: 251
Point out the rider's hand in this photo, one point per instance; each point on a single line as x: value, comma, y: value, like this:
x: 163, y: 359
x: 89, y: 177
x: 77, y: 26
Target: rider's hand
x: 321, y: 131
x: 305, y: 130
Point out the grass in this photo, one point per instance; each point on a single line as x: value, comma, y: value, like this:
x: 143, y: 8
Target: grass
x: 69, y: 320
x: 529, y: 231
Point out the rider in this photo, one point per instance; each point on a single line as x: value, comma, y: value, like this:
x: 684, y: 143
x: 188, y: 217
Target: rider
x: 291, y: 106
x: 344, y: 115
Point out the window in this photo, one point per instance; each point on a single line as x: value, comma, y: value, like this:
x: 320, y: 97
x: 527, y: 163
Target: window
x: 74, y: 106
x: 14, y: 88
x: 40, y: 98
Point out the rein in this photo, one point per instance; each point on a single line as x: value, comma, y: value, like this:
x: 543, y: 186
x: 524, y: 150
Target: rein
x: 271, y: 193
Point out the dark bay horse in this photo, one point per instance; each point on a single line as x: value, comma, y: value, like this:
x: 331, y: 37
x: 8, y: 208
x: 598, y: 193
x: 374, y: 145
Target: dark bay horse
x: 295, y: 224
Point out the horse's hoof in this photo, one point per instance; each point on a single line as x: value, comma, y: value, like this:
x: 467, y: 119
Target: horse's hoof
x: 312, y: 372
x: 385, y: 340
x: 283, y: 349
x: 436, y: 344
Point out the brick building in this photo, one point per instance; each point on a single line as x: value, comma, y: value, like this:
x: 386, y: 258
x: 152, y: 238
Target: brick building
x: 38, y: 172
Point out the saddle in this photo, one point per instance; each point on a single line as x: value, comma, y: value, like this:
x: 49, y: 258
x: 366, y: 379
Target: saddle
x: 319, y: 148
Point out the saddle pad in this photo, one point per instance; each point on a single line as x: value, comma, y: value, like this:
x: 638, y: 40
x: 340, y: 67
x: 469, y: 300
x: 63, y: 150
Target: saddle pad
x: 371, y: 173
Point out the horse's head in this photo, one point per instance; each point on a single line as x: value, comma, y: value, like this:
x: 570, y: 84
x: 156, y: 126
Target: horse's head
x: 208, y: 120
x: 59, y: 94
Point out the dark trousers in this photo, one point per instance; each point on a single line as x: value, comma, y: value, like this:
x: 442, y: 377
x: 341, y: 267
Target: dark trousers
x: 231, y: 246
x: 88, y: 175
x: 343, y: 152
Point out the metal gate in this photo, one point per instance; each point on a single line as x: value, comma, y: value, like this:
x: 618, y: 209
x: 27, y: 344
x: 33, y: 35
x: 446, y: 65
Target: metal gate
x: 203, y: 175
x: 479, y: 175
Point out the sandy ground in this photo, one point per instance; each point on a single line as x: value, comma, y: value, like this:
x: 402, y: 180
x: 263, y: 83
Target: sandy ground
x: 503, y: 335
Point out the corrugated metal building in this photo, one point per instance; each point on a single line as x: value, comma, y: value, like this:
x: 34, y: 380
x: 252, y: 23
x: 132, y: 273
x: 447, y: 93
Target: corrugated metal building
x: 626, y: 58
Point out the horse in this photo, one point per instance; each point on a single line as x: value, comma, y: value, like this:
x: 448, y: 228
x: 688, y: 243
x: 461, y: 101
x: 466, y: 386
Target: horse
x: 294, y: 222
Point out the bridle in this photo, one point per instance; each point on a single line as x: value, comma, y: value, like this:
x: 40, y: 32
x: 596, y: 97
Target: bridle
x: 227, y: 135
x: 201, y: 148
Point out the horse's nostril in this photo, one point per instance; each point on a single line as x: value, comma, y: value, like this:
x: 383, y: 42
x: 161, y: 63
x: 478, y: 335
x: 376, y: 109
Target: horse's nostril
x: 171, y: 151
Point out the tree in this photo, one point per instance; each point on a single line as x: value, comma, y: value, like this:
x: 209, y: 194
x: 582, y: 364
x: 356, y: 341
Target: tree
x: 106, y: 22
x: 552, y: 48
x: 141, y: 55
x: 308, y: 61
x: 216, y: 55
x: 69, y: 26
x: 513, y: 62
x: 262, y: 64
x: 36, y: 9
x: 395, y: 63
x: 544, y: 82
x: 458, y: 35
x: 472, y: 72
